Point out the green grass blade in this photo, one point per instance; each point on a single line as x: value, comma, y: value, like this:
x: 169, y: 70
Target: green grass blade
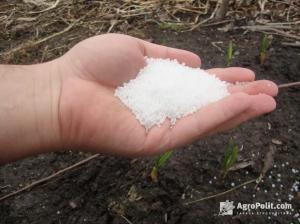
x: 231, y: 154
x: 229, y: 54
x: 227, y: 153
x: 234, y: 155
x: 162, y: 159
x: 265, y: 43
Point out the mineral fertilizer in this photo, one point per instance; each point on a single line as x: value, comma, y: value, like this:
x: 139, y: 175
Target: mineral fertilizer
x: 164, y: 88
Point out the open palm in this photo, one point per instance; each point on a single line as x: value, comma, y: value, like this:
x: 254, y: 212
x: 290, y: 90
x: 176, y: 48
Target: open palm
x: 93, y: 119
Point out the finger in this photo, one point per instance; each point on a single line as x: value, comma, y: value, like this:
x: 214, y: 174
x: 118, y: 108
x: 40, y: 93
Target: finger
x: 233, y: 74
x: 192, y: 127
x: 199, y: 124
x: 263, y: 105
x: 256, y: 87
x: 159, y: 51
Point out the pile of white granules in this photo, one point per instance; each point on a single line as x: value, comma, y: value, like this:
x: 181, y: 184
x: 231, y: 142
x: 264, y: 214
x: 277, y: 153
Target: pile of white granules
x: 165, y: 88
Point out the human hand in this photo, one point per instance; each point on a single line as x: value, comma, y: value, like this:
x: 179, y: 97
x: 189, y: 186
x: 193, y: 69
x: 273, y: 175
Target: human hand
x: 93, y: 119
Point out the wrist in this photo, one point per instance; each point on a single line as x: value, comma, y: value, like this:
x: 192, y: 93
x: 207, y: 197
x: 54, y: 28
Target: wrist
x: 29, y: 105
x: 47, y: 91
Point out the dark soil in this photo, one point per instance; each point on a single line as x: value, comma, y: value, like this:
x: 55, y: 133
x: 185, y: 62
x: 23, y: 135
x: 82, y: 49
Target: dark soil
x: 108, y: 189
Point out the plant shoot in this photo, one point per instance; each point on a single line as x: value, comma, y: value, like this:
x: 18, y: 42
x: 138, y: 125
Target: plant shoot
x: 159, y: 162
x: 265, y: 44
x: 229, y: 53
x: 230, y: 157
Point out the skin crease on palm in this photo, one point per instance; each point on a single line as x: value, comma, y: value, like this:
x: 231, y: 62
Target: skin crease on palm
x: 93, y: 119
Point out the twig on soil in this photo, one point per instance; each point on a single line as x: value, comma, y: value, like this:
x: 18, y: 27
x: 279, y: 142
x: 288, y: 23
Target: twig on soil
x: 296, y: 44
x: 214, y: 44
x: 284, y: 23
x: 262, y: 28
x: 216, y: 23
x: 5, y: 186
x: 268, y: 164
x: 113, y: 23
x: 241, y: 165
x: 47, y: 9
x: 206, y: 20
x: 291, y: 84
x: 222, y: 193
x: 30, y: 44
x: 127, y: 220
x: 44, y: 54
x: 40, y: 181
x: 289, y: 10
x: 221, y: 13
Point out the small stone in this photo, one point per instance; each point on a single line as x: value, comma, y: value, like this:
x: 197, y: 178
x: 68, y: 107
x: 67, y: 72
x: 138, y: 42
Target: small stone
x: 276, y: 141
x: 72, y: 204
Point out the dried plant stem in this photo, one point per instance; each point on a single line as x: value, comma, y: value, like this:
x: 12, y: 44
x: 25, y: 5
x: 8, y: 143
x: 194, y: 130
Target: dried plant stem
x: 216, y: 23
x: 263, y: 28
x: 291, y: 84
x: 40, y: 181
x: 296, y: 44
x: 30, y: 44
x: 3, y: 187
x: 47, y: 9
x: 222, y: 10
x: 206, y: 20
x: 222, y: 193
x: 126, y: 219
x: 268, y: 164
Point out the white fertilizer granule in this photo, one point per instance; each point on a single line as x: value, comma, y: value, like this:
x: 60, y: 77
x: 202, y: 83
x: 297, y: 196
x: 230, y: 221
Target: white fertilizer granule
x: 165, y: 88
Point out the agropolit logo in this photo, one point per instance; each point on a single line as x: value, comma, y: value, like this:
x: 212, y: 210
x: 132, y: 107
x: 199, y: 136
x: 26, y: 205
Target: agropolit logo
x: 226, y: 207
x: 256, y: 208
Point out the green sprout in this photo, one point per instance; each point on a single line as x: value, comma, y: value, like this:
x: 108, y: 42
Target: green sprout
x: 229, y: 53
x: 265, y: 44
x: 230, y: 158
x: 158, y: 163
